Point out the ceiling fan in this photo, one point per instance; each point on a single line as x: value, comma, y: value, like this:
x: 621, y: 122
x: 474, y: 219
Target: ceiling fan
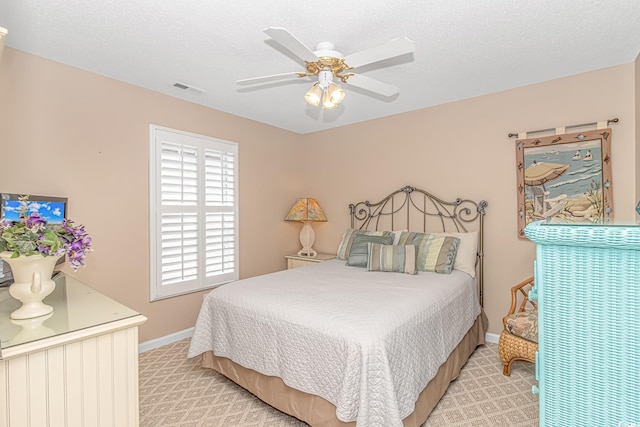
x: 328, y: 65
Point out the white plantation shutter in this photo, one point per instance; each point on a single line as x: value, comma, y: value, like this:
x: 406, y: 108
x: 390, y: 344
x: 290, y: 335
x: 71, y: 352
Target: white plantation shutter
x: 220, y: 204
x: 193, y: 212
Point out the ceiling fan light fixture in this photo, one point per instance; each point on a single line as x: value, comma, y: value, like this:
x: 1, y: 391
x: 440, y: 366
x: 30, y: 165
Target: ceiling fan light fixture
x: 328, y: 64
x: 336, y: 94
x: 327, y: 104
x: 314, y: 95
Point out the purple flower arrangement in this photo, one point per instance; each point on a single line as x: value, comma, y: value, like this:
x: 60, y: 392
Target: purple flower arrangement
x: 32, y: 235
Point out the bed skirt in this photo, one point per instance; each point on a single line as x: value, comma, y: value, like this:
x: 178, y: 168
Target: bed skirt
x: 318, y: 412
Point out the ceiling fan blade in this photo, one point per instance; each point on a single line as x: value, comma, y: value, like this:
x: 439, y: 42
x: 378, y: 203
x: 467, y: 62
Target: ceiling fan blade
x: 372, y: 85
x: 288, y: 40
x: 271, y: 78
x: 391, y: 49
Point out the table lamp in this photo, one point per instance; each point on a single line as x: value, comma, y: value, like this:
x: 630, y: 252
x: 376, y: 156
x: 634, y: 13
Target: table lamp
x: 306, y: 210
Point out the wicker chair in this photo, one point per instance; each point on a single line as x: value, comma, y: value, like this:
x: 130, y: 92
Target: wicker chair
x: 519, y: 339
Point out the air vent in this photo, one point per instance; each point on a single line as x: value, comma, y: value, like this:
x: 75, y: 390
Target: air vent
x: 188, y: 88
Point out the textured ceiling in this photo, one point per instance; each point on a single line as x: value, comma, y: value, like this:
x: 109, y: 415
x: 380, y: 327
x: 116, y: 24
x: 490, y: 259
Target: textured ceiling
x: 464, y: 48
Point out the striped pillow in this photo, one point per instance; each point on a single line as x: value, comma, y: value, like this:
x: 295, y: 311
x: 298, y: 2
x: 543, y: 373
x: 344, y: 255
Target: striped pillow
x: 344, y: 249
x: 360, y: 248
x: 435, y: 253
x: 467, y: 251
x: 400, y: 259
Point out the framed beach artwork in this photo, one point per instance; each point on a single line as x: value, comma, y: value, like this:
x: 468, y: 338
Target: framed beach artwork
x: 564, y: 178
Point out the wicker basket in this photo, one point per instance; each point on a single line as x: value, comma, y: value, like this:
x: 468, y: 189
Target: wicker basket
x: 512, y: 348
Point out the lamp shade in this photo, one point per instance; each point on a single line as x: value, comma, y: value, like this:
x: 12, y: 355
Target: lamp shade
x: 306, y: 209
x: 327, y: 104
x: 336, y: 94
x: 314, y: 95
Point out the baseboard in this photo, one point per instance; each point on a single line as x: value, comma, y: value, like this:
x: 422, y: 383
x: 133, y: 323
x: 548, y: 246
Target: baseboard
x: 167, y: 339
x: 489, y: 337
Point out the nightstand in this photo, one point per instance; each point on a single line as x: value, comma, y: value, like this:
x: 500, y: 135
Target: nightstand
x: 295, y: 261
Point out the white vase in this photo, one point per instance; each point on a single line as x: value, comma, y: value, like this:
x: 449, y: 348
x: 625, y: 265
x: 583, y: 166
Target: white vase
x: 31, y: 329
x: 32, y: 283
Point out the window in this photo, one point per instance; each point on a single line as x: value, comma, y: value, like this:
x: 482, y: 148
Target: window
x: 193, y: 212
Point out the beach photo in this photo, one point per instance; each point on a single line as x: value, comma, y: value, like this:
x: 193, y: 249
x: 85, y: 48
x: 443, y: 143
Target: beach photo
x: 51, y: 212
x: 565, y: 178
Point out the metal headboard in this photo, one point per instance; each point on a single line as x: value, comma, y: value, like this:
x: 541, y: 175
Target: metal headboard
x: 399, y: 208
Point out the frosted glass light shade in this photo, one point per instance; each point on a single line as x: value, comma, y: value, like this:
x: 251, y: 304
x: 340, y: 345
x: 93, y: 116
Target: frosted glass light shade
x: 327, y: 104
x: 314, y: 95
x: 336, y: 94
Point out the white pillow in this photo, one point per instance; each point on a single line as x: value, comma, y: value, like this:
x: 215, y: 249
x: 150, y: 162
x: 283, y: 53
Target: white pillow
x: 467, y: 251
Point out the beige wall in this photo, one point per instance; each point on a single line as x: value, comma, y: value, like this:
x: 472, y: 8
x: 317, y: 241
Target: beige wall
x: 462, y: 149
x: 67, y: 132
x: 85, y: 136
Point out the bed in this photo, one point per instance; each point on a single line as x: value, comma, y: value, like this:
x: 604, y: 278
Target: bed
x: 339, y: 344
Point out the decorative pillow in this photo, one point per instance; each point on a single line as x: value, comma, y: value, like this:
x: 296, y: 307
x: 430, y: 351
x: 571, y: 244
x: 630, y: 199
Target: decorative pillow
x: 406, y: 237
x: 360, y: 249
x: 397, y: 234
x: 400, y: 259
x: 467, y: 251
x: 344, y: 249
x: 435, y: 253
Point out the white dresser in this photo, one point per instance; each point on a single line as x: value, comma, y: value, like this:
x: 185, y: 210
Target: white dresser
x: 77, y: 366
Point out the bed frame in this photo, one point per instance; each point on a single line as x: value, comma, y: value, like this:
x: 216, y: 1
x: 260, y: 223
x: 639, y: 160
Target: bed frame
x: 391, y: 213
x: 429, y: 213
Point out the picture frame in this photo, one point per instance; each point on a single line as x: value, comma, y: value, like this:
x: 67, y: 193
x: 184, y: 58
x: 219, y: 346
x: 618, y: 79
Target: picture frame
x: 564, y: 178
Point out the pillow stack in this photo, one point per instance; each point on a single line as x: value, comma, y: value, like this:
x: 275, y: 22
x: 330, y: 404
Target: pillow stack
x: 344, y: 249
x: 403, y: 252
x: 359, y: 253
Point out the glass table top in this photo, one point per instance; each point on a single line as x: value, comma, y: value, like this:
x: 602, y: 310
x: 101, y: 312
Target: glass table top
x: 75, y: 306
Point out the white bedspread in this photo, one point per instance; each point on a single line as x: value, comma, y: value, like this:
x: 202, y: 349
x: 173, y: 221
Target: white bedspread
x: 368, y: 342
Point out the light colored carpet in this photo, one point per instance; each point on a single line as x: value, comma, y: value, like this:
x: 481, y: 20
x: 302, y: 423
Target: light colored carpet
x: 176, y: 392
